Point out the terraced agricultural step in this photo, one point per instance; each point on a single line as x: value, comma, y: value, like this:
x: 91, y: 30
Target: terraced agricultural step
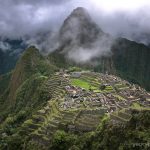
x: 58, y: 117
x: 53, y: 83
x: 68, y: 114
x: 41, y: 131
x: 100, y: 111
x: 124, y: 115
x: 26, y: 131
x: 90, y: 118
x: 86, y: 122
x: 83, y: 128
x: 49, y: 130
x: 40, y: 140
x: 68, y: 117
x: 54, y: 108
x: 56, y: 88
x: 118, y: 119
x: 51, y: 127
x: 38, y: 119
x: 54, y: 122
x: 90, y: 121
x: 58, y: 91
x: 128, y: 111
x: 31, y: 124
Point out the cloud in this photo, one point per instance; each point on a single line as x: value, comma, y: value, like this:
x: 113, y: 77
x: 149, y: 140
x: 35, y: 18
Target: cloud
x: 43, y: 2
x: 46, y: 42
x: 118, y: 5
x: 134, y: 25
x: 101, y: 47
x: 4, y: 46
x: 29, y: 18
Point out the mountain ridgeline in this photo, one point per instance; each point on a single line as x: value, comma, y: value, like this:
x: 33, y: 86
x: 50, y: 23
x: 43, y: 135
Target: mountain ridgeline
x: 30, y: 72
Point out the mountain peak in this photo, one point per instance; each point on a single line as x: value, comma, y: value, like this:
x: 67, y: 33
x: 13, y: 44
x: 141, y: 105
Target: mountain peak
x: 79, y: 29
x: 80, y: 11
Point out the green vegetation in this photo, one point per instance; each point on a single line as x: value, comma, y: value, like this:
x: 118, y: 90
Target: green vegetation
x: 33, y: 118
x: 63, y: 141
x: 108, y: 136
x: 109, y: 88
x: 23, y: 91
x: 91, y: 84
x: 31, y: 93
x: 132, y: 63
x: 136, y: 105
x: 119, y: 97
x: 32, y: 66
x: 74, y: 69
x: 4, y: 81
x: 80, y: 83
x: 84, y: 84
x: 58, y: 60
x: 97, y: 91
x: 120, y: 86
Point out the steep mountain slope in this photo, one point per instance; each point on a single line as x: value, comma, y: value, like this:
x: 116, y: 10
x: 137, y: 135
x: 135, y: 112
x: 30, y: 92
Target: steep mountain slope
x: 132, y: 61
x: 129, y: 60
x: 31, y: 70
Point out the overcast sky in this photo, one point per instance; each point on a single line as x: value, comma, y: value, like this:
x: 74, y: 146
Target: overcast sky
x: 126, y: 18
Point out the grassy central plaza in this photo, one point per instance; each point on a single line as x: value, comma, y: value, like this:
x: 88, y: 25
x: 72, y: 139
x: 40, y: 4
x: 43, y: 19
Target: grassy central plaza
x: 80, y: 83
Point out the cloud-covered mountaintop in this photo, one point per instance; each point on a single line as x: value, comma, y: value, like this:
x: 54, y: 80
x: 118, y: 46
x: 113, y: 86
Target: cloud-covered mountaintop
x: 29, y: 18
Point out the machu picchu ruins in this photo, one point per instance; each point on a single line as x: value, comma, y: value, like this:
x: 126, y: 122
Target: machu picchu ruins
x: 78, y: 104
